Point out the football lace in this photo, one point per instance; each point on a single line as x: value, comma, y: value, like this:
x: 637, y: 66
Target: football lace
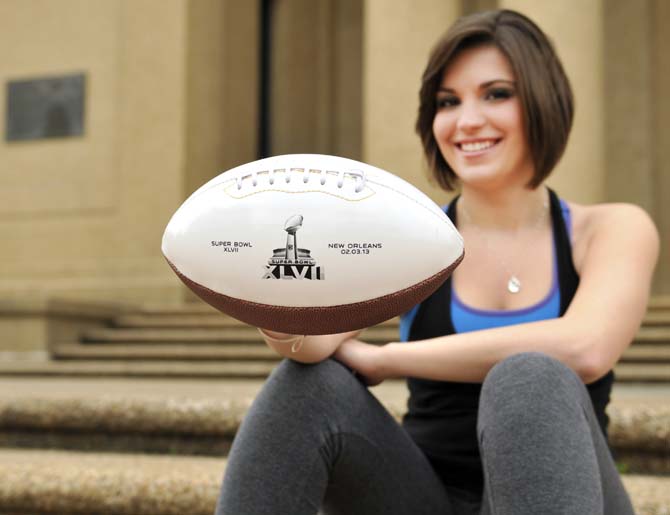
x: 358, y: 175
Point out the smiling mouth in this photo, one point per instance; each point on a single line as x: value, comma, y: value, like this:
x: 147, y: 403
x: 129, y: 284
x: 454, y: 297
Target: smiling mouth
x: 477, y: 146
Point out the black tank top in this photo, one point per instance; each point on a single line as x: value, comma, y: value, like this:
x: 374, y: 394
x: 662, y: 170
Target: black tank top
x: 442, y: 415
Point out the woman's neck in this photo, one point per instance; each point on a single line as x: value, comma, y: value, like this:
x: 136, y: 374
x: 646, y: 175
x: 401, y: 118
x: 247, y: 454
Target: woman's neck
x: 503, y: 210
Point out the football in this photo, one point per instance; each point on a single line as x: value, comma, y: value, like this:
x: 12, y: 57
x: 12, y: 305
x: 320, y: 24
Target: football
x: 311, y: 244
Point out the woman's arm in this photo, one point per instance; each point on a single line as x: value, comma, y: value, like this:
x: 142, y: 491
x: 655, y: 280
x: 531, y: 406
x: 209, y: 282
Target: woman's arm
x: 306, y: 349
x: 606, y: 312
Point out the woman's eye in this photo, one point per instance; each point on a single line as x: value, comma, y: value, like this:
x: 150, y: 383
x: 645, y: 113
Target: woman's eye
x: 445, y: 102
x: 499, y: 94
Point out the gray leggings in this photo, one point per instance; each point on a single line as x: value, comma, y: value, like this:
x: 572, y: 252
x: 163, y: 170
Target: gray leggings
x: 317, y: 439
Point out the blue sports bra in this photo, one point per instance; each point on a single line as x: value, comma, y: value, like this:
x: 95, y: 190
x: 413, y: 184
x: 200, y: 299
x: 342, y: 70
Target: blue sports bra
x: 466, y: 318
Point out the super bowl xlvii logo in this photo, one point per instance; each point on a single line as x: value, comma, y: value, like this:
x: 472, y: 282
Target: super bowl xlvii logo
x: 291, y: 262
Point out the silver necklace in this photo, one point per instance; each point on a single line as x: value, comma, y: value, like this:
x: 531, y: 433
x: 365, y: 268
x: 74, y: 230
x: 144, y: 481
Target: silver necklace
x: 513, y: 282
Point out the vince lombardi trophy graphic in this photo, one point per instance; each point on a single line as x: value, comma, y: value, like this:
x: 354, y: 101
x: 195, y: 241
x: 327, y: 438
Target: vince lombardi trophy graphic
x: 290, y: 262
x: 291, y: 227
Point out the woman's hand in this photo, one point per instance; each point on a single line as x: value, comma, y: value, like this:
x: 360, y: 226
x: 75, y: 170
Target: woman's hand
x: 365, y: 359
x: 305, y: 349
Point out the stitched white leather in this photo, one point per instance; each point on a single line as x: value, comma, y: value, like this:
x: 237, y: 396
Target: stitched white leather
x: 246, y: 207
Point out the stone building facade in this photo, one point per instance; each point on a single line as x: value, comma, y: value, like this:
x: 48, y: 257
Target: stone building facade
x: 178, y: 90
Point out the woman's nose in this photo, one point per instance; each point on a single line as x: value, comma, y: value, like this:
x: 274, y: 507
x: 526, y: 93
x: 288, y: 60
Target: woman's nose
x: 470, y: 117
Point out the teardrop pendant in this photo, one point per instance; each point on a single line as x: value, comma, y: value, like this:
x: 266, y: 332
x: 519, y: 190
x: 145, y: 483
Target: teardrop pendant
x: 514, y: 285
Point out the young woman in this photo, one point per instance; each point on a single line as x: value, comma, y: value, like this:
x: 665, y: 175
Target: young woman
x: 510, y: 361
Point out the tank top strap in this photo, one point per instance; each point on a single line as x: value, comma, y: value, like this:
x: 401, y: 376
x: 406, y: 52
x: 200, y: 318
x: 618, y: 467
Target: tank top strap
x: 568, y: 280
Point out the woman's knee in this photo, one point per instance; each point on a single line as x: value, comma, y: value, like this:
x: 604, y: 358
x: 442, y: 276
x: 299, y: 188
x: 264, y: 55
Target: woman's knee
x: 525, y: 383
x: 325, y: 374
x: 528, y: 368
x: 325, y: 383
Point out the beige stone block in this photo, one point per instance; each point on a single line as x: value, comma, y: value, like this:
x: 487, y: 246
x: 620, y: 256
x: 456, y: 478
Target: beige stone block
x: 44, y: 481
x: 33, y: 325
x: 67, y: 175
x: 22, y: 334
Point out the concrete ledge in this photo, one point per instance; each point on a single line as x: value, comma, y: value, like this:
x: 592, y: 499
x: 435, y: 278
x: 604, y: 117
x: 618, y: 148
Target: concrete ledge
x: 645, y: 427
x: 630, y: 373
x: 23, y: 419
x: 69, y: 483
x: 197, y: 417
x: 659, y: 303
x: 640, y: 428
x: 126, y: 369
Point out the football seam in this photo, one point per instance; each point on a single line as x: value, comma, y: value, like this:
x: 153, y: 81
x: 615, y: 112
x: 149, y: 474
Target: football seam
x: 299, y: 192
x: 234, y: 179
x: 225, y: 185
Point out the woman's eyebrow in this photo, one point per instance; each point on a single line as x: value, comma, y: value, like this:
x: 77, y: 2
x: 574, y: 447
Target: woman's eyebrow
x: 495, y: 81
x: 483, y: 85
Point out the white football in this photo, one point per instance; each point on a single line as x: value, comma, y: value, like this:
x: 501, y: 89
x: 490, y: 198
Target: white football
x: 311, y: 244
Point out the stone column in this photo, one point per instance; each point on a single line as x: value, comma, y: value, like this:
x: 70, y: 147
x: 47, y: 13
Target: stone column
x: 397, y: 38
x: 638, y: 114
x: 630, y: 108
x: 576, y: 29
x: 661, y: 138
x: 222, y: 52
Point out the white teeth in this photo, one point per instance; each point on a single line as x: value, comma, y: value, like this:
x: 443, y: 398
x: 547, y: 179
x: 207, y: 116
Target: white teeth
x: 478, y: 145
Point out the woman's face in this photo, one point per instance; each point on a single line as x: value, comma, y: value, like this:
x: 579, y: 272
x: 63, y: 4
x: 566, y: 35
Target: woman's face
x: 478, y: 124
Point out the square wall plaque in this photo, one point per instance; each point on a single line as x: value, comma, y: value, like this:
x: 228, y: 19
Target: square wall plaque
x: 45, y: 108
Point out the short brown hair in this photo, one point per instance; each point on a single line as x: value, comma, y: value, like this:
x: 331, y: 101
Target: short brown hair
x: 544, y: 90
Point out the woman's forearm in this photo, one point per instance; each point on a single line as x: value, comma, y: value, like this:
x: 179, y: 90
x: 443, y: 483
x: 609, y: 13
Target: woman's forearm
x: 467, y: 357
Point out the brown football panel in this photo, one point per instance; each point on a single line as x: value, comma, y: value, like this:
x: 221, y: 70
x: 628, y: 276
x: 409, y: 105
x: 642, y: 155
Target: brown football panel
x: 325, y: 319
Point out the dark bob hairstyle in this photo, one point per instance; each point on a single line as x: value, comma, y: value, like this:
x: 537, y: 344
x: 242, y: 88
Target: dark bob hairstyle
x: 543, y: 88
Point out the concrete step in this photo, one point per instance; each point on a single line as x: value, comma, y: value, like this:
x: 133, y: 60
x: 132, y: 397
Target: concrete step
x: 209, y: 319
x: 126, y: 416
x: 139, y: 368
x: 656, y: 318
x: 651, y: 334
x: 625, y: 372
x: 659, y: 303
x: 132, y: 424
x: 644, y: 352
x: 238, y: 333
x: 190, y: 318
x: 177, y: 335
x: 642, y: 373
x: 204, y: 321
x: 233, y: 333
x: 42, y: 482
x: 49, y: 482
x: 226, y: 350
x: 173, y: 351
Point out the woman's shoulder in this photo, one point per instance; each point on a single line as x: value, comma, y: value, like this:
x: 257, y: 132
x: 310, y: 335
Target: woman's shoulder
x: 627, y: 222
x: 596, y: 217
